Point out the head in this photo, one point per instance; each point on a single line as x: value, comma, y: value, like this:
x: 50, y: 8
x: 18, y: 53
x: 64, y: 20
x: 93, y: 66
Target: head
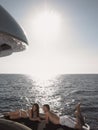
x: 35, y: 109
x: 46, y: 108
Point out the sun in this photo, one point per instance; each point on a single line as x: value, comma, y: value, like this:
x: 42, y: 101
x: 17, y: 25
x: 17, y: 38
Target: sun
x: 46, y: 25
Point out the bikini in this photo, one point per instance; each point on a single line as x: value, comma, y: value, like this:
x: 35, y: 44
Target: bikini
x: 20, y: 113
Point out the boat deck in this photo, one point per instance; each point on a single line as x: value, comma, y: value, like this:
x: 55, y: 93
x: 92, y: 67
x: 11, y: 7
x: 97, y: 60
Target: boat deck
x: 41, y: 126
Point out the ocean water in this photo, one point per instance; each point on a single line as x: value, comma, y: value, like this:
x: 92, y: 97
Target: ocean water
x: 62, y: 93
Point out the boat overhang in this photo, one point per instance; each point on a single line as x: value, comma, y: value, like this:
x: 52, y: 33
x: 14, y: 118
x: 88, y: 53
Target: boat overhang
x: 12, y: 36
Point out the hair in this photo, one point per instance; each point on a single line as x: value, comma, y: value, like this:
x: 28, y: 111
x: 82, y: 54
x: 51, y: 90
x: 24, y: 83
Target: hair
x: 47, y: 106
x: 37, y: 109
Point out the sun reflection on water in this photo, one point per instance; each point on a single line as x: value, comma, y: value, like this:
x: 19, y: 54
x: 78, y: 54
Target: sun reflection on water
x: 54, y: 91
x: 44, y: 79
x: 46, y: 91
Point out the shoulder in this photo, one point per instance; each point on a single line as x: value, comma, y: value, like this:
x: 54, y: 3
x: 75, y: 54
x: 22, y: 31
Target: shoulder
x: 50, y: 113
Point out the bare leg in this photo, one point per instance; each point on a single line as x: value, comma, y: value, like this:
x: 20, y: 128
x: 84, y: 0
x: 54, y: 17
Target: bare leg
x: 13, y: 115
x: 78, y: 109
x: 16, y: 115
x: 79, y: 118
x: 78, y: 122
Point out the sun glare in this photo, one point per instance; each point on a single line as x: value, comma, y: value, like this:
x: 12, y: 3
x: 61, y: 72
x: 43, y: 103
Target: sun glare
x: 46, y: 25
x: 45, y: 30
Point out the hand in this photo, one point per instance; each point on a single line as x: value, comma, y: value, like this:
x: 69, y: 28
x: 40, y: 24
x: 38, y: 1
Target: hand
x: 39, y: 119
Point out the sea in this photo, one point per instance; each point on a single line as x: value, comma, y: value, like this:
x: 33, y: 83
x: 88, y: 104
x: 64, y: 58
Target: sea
x: 61, y: 92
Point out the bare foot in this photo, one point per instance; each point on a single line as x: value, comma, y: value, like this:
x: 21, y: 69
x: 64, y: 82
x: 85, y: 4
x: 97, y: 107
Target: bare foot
x: 6, y: 114
x: 79, y: 117
x: 78, y: 107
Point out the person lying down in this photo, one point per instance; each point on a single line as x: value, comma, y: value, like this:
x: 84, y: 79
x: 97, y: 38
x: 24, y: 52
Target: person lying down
x: 32, y: 114
x: 66, y: 120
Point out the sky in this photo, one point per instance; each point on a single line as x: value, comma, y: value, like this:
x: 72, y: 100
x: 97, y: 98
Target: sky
x: 62, y: 35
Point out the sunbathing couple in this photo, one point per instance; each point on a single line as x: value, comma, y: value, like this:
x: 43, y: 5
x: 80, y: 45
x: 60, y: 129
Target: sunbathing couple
x: 34, y: 115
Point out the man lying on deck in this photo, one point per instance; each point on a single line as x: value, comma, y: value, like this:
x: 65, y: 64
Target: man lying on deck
x: 71, y: 122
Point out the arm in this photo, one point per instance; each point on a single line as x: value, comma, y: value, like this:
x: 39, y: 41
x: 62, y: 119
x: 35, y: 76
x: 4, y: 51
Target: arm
x: 35, y: 119
x: 47, y: 118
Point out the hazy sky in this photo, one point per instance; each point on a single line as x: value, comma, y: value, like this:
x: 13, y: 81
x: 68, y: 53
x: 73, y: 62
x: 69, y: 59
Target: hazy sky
x: 62, y: 34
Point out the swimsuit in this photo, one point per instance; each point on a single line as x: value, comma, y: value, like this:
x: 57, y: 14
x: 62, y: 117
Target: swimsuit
x: 20, y: 113
x: 68, y: 121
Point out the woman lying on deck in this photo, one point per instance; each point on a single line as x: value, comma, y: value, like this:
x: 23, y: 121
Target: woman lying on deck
x: 32, y: 114
x: 29, y: 117
x: 75, y: 123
